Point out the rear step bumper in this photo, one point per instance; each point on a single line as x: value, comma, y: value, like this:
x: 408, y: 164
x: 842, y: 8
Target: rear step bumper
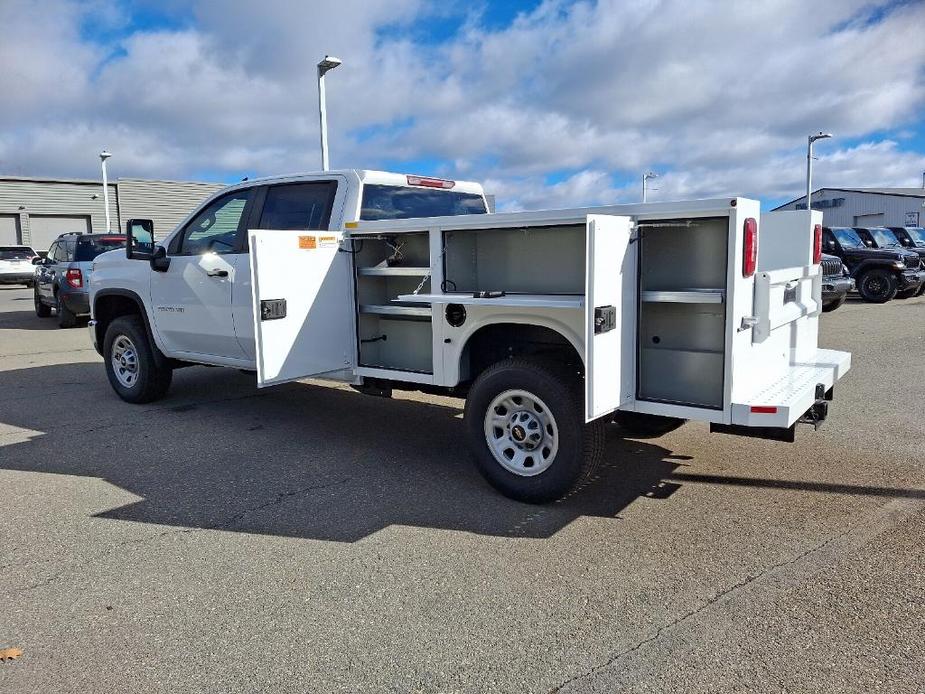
x: 800, y: 395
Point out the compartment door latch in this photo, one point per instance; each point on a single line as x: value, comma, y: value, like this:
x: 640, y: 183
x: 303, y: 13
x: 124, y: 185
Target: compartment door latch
x: 272, y: 309
x: 605, y: 319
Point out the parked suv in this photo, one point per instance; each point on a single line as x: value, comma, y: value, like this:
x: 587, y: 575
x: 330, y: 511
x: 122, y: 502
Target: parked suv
x: 836, y: 282
x: 912, y: 239
x: 882, y: 237
x: 61, y: 277
x: 16, y: 265
x: 879, y: 272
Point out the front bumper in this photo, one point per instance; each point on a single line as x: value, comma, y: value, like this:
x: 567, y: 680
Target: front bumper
x: 836, y: 287
x: 912, y: 279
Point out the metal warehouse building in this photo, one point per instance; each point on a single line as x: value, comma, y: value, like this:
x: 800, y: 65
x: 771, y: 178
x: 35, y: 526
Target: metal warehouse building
x: 866, y: 207
x: 35, y: 211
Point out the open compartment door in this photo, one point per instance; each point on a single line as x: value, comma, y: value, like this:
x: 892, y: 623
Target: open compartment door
x: 610, y: 279
x: 303, y: 304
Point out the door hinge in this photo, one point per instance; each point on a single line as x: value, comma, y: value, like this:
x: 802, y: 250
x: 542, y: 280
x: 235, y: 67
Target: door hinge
x: 272, y: 309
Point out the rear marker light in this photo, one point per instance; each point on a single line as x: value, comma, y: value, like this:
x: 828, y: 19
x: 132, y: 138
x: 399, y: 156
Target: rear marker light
x: 750, y: 248
x: 74, y: 278
x: 430, y: 182
x: 817, y: 244
x: 763, y: 409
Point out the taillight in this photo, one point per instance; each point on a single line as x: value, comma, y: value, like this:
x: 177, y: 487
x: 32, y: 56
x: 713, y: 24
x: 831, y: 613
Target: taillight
x: 817, y: 244
x: 750, y: 253
x: 74, y: 278
x: 430, y: 182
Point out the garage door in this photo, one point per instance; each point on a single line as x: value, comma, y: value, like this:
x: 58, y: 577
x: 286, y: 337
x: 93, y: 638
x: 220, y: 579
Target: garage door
x: 43, y: 229
x: 870, y: 220
x: 9, y: 229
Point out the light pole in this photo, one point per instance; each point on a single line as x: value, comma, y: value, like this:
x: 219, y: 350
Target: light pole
x: 328, y: 63
x: 809, y: 166
x: 645, y: 179
x: 104, y: 155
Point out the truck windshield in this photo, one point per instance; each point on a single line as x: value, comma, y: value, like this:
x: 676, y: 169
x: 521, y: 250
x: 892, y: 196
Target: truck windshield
x: 89, y: 248
x: 398, y: 202
x: 917, y: 234
x: 14, y: 254
x: 848, y: 238
x: 884, y: 238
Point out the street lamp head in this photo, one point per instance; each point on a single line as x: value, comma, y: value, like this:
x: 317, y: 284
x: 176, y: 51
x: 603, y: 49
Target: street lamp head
x: 328, y: 63
x: 104, y: 155
x: 651, y: 174
x: 820, y: 136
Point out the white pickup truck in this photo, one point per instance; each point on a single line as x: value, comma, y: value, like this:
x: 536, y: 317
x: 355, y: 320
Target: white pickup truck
x: 551, y: 324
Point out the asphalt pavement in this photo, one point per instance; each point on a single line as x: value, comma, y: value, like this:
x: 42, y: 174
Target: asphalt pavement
x: 306, y: 538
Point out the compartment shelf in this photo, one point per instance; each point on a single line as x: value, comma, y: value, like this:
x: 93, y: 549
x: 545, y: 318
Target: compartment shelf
x: 685, y: 296
x: 396, y: 311
x: 522, y: 300
x: 393, y: 271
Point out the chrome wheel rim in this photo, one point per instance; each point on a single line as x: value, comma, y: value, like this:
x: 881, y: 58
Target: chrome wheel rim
x: 521, y: 433
x: 124, y: 361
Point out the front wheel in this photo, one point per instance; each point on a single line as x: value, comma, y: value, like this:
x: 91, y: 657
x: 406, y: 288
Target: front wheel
x: 527, y: 432
x: 131, y: 366
x: 41, y: 310
x: 877, y: 286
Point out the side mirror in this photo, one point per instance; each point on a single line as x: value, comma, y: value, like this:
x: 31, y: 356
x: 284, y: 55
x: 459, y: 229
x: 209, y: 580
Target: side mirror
x: 829, y: 245
x: 869, y: 243
x: 139, y: 241
x: 38, y: 260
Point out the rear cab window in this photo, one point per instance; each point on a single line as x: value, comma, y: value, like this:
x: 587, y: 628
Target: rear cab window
x: 400, y: 202
x: 90, y: 247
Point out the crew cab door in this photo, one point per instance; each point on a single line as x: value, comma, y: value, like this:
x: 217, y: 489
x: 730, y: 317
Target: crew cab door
x: 609, y: 325
x: 303, y: 304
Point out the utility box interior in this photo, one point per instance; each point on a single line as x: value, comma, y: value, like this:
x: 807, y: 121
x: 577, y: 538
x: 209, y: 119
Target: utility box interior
x: 682, y: 325
x: 393, y: 335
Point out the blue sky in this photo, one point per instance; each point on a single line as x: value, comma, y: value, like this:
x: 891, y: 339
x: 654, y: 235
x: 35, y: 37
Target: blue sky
x: 549, y: 103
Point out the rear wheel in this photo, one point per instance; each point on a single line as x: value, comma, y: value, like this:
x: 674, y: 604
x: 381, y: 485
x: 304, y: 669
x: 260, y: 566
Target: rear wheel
x: 834, y: 303
x: 41, y: 310
x: 877, y: 286
x: 66, y: 317
x: 526, y: 429
x: 134, y: 372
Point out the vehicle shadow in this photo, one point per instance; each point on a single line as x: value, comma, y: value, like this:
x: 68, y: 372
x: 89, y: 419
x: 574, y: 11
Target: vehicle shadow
x: 27, y: 320
x: 297, y: 460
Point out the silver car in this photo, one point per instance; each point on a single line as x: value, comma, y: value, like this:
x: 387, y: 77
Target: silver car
x: 16, y: 265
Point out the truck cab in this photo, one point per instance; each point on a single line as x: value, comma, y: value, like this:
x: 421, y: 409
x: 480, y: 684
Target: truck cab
x: 879, y: 273
x: 197, y: 295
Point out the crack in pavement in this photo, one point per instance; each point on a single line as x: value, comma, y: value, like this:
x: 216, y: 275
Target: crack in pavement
x: 222, y: 525
x: 877, y: 523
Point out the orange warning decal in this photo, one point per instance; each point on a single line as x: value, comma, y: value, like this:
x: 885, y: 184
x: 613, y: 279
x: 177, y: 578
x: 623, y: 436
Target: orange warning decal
x: 327, y: 241
x: 308, y: 242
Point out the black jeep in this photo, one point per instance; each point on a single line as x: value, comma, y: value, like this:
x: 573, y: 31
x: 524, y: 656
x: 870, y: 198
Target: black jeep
x: 883, y: 237
x: 879, y: 272
x: 912, y: 239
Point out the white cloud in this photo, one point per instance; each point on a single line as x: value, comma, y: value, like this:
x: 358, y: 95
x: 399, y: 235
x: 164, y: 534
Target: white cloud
x: 717, y: 96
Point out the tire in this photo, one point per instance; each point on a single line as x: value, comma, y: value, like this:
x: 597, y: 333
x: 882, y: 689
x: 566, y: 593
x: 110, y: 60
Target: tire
x: 877, y: 286
x: 921, y: 290
x: 834, y: 303
x: 529, y: 397
x: 41, y: 310
x: 906, y: 294
x: 126, y: 343
x: 66, y: 317
x: 646, y: 425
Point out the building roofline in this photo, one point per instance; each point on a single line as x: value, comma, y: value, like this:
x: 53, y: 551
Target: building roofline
x: 97, y: 182
x: 870, y: 191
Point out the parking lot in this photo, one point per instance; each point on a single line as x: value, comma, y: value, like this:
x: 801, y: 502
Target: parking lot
x: 308, y: 538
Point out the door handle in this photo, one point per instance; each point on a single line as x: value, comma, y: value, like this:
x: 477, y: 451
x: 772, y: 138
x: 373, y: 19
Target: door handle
x: 217, y: 273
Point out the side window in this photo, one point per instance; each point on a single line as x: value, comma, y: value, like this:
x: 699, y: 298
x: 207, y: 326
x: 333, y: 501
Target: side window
x: 298, y: 205
x: 52, y: 250
x: 215, y: 228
